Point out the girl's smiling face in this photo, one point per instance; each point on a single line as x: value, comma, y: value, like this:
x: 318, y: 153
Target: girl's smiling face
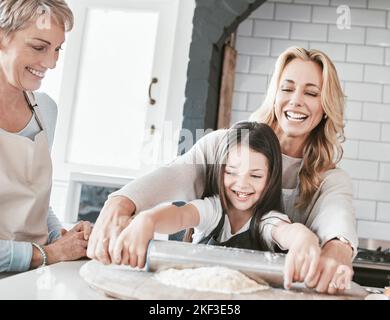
x: 245, y: 177
x: 27, y: 54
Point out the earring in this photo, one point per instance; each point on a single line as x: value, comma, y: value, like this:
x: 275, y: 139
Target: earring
x: 325, y: 116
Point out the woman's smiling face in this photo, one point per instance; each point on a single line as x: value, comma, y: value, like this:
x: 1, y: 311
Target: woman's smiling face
x: 25, y: 55
x: 298, y: 106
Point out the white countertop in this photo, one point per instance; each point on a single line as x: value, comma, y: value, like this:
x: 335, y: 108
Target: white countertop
x: 58, y: 281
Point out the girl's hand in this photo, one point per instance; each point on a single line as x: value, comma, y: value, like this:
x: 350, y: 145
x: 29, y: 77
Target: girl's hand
x: 132, y: 243
x: 303, y: 253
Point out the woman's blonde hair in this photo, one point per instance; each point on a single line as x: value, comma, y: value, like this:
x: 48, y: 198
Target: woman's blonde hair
x: 17, y: 14
x: 323, y: 149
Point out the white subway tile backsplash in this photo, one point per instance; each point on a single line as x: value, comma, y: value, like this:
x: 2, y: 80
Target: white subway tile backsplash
x: 245, y: 28
x: 349, y: 71
x: 242, y: 63
x: 374, y: 230
x: 262, y: 65
x: 272, y: 29
x: 355, y: 188
x: 388, y: 21
x: 376, y: 112
x: 365, y: 54
x: 305, y: 31
x: 359, y: 169
x: 378, y: 74
x: 351, y: 149
x: 239, y: 102
x: 278, y: 46
x: 371, y: 190
x: 365, y: 210
x: 253, y: 46
x: 384, y: 172
x: 386, y: 94
x: 250, y: 83
x: 387, y: 56
x: 362, y: 130
x: 354, y: 35
x: 383, y: 213
x: 265, y: 11
x: 350, y: 3
x: 353, y: 110
x: 254, y: 101
x: 379, y: 4
x: 385, y: 132
x: 375, y: 151
x: 359, y: 17
x: 368, y: 18
x: 335, y: 51
x: 363, y: 91
x: 325, y: 15
x: 292, y: 12
x: 312, y: 2
x: 378, y: 37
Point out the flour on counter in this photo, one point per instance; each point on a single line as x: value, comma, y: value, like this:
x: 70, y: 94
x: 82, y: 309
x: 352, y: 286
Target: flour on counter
x: 215, y: 279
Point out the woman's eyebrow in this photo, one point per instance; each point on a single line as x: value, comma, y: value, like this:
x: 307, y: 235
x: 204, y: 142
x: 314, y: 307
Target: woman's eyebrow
x: 312, y: 85
x: 49, y: 43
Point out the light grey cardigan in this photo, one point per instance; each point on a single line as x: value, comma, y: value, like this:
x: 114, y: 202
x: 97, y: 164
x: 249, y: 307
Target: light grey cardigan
x: 330, y: 213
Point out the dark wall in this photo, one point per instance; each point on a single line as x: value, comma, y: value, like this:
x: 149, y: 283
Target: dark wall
x: 214, y: 21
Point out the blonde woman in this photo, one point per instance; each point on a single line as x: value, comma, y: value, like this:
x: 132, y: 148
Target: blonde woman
x: 304, y: 106
x: 31, y: 35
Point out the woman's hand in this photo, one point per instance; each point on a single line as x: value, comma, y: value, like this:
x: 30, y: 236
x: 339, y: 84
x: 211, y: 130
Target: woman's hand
x: 85, y: 227
x: 70, y: 246
x: 114, y: 217
x: 132, y: 244
x: 303, y: 252
x: 335, y: 271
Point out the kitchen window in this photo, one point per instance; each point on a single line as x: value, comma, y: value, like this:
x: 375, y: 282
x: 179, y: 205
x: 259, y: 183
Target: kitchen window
x: 111, y: 110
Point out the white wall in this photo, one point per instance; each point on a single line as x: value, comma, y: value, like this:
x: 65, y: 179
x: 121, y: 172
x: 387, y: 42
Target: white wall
x: 362, y: 59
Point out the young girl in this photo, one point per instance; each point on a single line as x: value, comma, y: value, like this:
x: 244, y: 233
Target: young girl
x: 240, y: 207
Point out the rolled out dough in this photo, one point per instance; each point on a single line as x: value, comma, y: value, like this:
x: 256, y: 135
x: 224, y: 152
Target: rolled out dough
x: 215, y: 279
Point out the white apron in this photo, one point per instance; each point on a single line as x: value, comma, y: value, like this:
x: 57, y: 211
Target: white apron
x: 25, y: 184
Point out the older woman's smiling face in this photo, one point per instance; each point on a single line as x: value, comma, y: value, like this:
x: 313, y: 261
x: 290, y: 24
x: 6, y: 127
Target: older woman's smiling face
x: 27, y: 54
x: 298, y: 106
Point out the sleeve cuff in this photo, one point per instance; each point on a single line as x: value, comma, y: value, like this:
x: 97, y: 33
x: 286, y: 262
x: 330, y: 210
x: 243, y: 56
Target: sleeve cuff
x: 54, y: 235
x: 349, y: 242
x: 268, y: 221
x: 21, y: 254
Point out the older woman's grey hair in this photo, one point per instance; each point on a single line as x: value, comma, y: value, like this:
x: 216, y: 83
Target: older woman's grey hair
x: 18, y: 14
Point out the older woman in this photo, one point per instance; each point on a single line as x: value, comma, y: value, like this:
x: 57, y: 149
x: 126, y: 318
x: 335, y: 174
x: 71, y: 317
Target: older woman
x: 304, y: 105
x: 31, y: 35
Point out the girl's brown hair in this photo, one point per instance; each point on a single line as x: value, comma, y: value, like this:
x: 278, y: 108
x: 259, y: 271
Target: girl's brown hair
x: 259, y: 137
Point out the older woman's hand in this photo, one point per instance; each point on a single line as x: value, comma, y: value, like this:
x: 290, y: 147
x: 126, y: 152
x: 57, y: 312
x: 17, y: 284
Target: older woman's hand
x: 70, y: 246
x: 85, y: 227
x: 114, y: 217
x: 334, y: 273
